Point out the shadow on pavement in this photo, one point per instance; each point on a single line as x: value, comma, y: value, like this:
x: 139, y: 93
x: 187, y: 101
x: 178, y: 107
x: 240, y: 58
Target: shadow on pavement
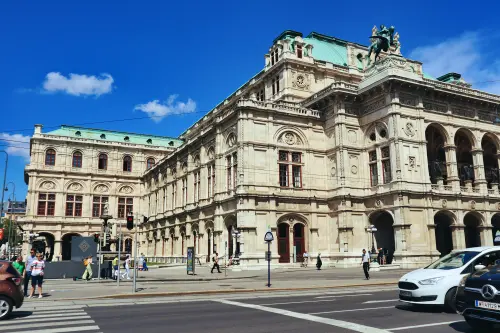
x: 18, y: 314
x: 462, y: 327
x: 421, y: 308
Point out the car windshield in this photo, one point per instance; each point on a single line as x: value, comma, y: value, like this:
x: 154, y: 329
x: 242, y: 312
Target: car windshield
x: 453, y: 260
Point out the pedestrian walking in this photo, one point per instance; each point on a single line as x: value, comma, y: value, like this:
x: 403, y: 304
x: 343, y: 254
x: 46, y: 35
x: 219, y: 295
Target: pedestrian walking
x: 115, y: 268
x: 141, y: 262
x: 37, y: 272
x: 20, y: 266
x: 365, y: 261
x: 305, y: 256
x: 145, y: 265
x: 319, y: 262
x: 87, y: 274
x: 127, y: 268
x: 215, y: 259
x: 29, y: 261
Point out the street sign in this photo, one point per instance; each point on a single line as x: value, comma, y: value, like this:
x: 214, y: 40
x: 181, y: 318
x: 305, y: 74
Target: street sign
x: 268, y: 255
x: 268, y: 237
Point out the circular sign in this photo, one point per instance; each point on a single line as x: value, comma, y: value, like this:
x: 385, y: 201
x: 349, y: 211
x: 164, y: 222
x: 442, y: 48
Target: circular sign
x: 268, y: 237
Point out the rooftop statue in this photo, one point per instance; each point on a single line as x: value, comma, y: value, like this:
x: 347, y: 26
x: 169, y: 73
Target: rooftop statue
x: 383, y: 39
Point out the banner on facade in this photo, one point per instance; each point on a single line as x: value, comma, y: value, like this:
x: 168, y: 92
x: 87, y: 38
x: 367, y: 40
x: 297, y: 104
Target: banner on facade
x: 190, y: 260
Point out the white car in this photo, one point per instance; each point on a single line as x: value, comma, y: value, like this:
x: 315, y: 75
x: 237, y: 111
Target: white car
x: 437, y: 283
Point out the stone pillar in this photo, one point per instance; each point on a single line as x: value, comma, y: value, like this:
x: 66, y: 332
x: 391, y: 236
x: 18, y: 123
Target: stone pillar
x: 479, y: 174
x: 486, y: 234
x: 468, y: 185
x: 494, y: 187
x: 458, y: 236
x: 57, y: 250
x: 290, y: 242
x: 440, y: 182
x: 432, y: 239
x: 451, y: 167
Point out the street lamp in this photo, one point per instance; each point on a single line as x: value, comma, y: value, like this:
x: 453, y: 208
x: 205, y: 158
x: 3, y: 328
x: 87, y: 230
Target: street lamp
x: 236, y: 235
x: 372, y: 229
x: 13, y: 195
x: 4, y: 179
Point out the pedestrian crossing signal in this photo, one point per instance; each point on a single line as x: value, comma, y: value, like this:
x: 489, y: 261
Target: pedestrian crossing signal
x: 130, y: 222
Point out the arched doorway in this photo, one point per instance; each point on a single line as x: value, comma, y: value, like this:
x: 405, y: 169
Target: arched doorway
x: 384, y: 236
x: 472, y: 234
x: 299, y: 240
x: 465, y: 164
x: 490, y: 159
x: 128, y: 245
x: 436, y: 156
x: 231, y: 224
x: 66, y: 245
x: 495, y: 222
x: 48, y: 246
x: 444, y: 239
x: 284, y: 242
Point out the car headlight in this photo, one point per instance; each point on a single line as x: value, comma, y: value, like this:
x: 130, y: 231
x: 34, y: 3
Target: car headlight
x: 462, y: 281
x: 431, y: 281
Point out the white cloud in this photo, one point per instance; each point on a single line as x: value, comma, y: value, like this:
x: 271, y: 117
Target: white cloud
x: 158, y: 110
x: 17, y: 144
x: 77, y: 84
x: 468, y: 54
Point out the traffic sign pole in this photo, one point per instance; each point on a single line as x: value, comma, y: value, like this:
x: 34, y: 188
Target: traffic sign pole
x: 268, y: 237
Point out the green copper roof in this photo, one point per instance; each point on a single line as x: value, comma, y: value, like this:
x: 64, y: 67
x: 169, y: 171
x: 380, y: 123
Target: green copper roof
x: 113, y: 136
x: 427, y: 76
x: 328, y: 48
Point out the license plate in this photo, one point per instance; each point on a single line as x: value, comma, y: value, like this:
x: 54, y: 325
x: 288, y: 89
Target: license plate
x: 488, y: 305
x: 405, y: 293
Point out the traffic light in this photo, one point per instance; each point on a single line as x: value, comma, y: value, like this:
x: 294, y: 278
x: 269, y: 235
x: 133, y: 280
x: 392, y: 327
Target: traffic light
x: 130, y: 221
x: 96, y: 238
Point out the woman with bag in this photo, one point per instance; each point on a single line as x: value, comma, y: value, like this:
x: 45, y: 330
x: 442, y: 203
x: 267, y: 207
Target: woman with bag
x: 37, y: 271
x: 87, y: 275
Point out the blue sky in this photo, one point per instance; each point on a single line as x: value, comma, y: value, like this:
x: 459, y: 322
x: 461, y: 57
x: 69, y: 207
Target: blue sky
x: 72, y: 62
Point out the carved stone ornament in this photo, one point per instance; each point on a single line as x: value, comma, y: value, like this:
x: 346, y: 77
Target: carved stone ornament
x: 231, y: 140
x: 354, y: 169
x: 126, y: 190
x: 409, y: 129
x: 498, y: 206
x: 378, y: 203
x: 184, y: 167
x: 75, y: 187
x: 211, y: 153
x: 290, y: 138
x: 412, y: 162
x: 197, y: 161
x: 444, y: 203
x: 48, y: 185
x: 473, y: 204
x: 333, y: 171
x: 101, y: 188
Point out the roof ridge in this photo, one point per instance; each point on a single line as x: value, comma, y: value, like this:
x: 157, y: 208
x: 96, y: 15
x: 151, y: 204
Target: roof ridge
x: 115, y: 132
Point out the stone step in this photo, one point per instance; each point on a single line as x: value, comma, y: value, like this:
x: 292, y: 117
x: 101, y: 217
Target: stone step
x: 389, y: 267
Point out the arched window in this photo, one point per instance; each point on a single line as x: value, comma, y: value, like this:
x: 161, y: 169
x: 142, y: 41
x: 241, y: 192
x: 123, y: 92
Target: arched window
x: 127, y: 164
x: 150, y: 163
x: 103, y: 162
x: 50, y: 157
x: 77, y: 160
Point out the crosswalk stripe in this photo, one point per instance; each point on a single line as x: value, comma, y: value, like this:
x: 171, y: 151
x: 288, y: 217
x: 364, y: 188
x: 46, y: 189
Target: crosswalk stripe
x: 42, y: 319
x: 53, y: 315
x: 63, y: 329
x: 50, y: 311
x: 49, y: 308
x: 4, y: 327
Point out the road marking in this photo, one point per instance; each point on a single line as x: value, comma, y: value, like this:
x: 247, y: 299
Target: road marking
x: 48, y: 308
x: 54, y: 315
x: 352, y: 295
x: 50, y: 311
x: 42, y: 319
x: 352, y: 310
x: 382, y: 301
x: 327, y: 321
x: 324, y: 300
x: 425, y: 325
x: 63, y: 329
x: 16, y: 326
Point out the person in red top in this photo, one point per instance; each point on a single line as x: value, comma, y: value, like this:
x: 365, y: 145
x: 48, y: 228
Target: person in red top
x: 37, y: 271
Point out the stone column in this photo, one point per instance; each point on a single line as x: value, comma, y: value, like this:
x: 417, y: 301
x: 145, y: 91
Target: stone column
x: 451, y: 167
x: 432, y: 239
x: 479, y: 174
x: 486, y: 234
x: 290, y: 240
x: 57, y: 250
x: 458, y: 236
x: 494, y: 187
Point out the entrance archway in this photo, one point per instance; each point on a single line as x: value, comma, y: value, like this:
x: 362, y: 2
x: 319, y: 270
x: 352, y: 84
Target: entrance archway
x: 472, y: 234
x: 49, y: 245
x: 284, y: 242
x: 436, y: 157
x: 495, y: 222
x: 465, y: 164
x: 299, y: 240
x: 384, y: 236
x: 490, y: 159
x: 66, y: 245
x: 444, y: 240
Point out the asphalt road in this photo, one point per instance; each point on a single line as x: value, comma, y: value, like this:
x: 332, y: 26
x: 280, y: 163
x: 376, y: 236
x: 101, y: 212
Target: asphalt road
x: 370, y: 310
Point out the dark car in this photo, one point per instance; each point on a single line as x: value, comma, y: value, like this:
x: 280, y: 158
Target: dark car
x: 11, y: 289
x: 478, y: 298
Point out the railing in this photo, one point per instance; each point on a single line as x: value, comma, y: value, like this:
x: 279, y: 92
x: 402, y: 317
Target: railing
x: 464, y: 189
x: 448, y: 188
x: 492, y: 191
x: 475, y: 190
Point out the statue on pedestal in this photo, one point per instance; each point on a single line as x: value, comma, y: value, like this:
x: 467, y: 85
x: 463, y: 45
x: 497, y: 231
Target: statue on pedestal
x: 381, y: 40
x: 105, y: 210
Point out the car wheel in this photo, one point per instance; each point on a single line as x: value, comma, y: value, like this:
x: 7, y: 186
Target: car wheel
x: 478, y: 324
x: 450, y: 300
x: 5, y: 307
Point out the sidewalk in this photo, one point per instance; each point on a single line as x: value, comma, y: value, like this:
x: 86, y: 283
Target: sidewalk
x: 175, y: 282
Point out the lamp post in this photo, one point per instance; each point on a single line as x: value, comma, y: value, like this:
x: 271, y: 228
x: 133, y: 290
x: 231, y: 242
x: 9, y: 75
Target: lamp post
x: 6, y: 188
x: 236, y: 235
x: 372, y: 229
x: 4, y: 180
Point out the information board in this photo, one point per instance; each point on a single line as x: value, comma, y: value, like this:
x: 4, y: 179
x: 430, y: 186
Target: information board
x: 190, y: 260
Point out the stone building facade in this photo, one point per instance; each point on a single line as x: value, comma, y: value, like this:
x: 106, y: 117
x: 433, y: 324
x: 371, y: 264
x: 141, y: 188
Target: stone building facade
x: 74, y: 171
x: 317, y: 147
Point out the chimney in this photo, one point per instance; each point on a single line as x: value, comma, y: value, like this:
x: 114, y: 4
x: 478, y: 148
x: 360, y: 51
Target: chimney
x: 38, y: 129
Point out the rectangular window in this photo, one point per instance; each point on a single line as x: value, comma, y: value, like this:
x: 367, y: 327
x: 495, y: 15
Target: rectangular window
x: 386, y: 165
x: 229, y: 172
x: 196, y: 186
x: 125, y: 206
x: 184, y: 191
x: 274, y: 56
x: 235, y: 170
x: 46, y: 204
x: 73, y: 205
x: 174, y: 194
x: 273, y: 83
x: 209, y: 182
x: 98, y: 205
x: 164, y: 199
x: 261, y: 95
x: 290, y: 164
x: 373, y: 168
x: 299, y: 51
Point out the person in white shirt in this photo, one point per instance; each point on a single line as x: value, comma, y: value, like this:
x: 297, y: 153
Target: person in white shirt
x: 127, y: 268
x: 365, y: 261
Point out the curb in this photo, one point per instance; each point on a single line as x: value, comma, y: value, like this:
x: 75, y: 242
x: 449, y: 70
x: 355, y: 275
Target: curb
x: 221, y: 291
x: 109, y: 281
